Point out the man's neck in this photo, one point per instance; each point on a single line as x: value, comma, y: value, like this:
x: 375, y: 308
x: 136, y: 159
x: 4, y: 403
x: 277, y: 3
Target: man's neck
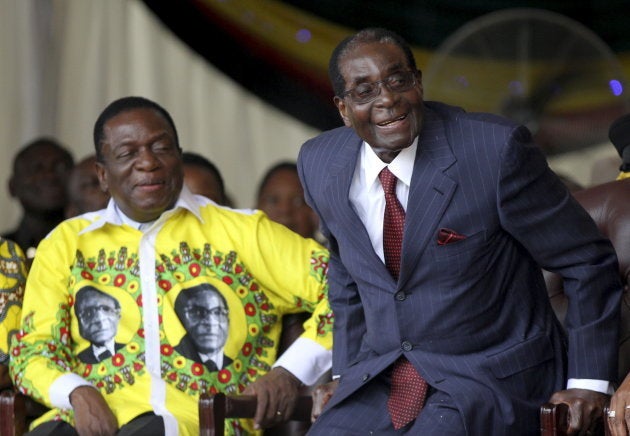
x: 34, y: 227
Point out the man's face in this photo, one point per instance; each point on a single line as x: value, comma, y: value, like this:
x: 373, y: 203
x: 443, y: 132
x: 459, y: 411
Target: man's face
x: 205, y: 318
x: 392, y: 120
x: 84, y: 191
x: 200, y: 181
x: 98, y: 318
x: 282, y: 199
x: 40, y: 177
x: 142, y: 168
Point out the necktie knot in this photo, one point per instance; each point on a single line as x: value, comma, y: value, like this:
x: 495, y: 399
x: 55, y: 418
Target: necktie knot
x: 388, y: 180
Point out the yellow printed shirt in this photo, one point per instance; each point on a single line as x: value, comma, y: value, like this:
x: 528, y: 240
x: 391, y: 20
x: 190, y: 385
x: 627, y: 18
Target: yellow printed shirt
x: 12, y: 279
x: 261, y: 269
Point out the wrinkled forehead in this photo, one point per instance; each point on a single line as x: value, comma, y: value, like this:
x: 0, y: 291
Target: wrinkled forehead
x: 206, y: 298
x: 372, y: 59
x: 134, y: 120
x: 95, y: 299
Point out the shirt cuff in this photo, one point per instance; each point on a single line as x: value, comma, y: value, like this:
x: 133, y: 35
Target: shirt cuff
x: 306, y: 359
x: 602, y: 386
x: 62, y: 387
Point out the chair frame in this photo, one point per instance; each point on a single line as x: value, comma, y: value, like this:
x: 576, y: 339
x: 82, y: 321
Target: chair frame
x: 554, y: 421
x: 214, y: 409
x: 12, y: 413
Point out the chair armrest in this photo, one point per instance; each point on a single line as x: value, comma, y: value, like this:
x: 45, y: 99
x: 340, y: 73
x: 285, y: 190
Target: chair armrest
x: 12, y: 413
x: 554, y: 420
x: 214, y: 409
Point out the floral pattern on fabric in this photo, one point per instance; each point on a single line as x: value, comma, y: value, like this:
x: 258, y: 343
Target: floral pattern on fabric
x: 12, y: 280
x: 117, y: 273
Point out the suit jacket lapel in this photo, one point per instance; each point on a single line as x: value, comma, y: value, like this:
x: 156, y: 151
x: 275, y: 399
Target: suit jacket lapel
x: 430, y: 192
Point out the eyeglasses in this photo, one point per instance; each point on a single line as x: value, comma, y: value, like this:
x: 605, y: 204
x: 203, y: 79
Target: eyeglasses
x: 89, y: 313
x: 198, y: 313
x: 367, y: 92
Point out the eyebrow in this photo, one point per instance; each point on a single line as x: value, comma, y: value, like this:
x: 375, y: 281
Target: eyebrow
x: 157, y: 137
x: 388, y: 72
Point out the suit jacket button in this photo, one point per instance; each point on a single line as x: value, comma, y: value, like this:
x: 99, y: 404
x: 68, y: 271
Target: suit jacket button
x: 400, y: 296
x: 406, y: 346
x: 365, y: 377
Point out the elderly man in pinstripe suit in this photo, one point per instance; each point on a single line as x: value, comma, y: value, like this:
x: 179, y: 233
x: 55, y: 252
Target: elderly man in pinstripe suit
x: 466, y: 304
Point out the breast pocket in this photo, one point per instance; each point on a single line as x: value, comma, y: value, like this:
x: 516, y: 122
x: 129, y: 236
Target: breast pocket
x: 461, y: 249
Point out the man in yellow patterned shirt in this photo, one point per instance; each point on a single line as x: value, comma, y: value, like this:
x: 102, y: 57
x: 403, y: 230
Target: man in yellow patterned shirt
x: 154, y: 241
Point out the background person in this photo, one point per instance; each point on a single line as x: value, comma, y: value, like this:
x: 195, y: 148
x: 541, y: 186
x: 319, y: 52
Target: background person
x: 38, y: 181
x: 281, y: 197
x: 438, y: 221
x: 619, y: 134
x: 202, y: 177
x: 84, y: 190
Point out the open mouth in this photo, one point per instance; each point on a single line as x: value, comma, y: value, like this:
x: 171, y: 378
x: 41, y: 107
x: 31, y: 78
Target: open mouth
x: 392, y: 121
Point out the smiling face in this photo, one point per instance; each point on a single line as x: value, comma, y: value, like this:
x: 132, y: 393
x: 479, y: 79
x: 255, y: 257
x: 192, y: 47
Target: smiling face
x: 392, y: 120
x: 142, y: 166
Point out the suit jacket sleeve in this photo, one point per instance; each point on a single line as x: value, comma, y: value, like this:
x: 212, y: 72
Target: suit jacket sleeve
x: 536, y: 208
x: 345, y: 302
x: 343, y: 295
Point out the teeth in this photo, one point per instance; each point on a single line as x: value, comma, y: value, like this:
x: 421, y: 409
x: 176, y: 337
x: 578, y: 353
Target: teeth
x: 385, y: 123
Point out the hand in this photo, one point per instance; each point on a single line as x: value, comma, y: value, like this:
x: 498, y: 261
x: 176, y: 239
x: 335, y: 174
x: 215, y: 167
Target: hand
x: 585, y: 406
x: 92, y: 415
x: 620, y: 404
x: 276, y: 392
x: 321, y: 394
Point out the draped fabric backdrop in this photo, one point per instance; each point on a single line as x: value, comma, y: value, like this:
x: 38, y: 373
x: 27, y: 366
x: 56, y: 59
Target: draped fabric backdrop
x: 62, y: 61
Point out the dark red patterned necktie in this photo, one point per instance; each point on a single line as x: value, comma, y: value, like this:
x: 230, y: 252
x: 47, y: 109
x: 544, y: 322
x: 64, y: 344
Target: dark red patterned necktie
x: 408, y: 389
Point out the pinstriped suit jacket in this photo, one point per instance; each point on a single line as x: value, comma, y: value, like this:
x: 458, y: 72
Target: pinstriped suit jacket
x: 472, y: 316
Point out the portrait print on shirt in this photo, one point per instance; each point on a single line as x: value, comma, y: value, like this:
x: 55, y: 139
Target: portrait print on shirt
x: 114, y: 269
x: 203, y: 311
x: 98, y: 315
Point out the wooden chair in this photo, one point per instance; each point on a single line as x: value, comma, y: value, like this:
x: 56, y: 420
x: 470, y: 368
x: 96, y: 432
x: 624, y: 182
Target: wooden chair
x: 16, y: 412
x: 12, y: 413
x: 214, y: 410
x: 609, y: 206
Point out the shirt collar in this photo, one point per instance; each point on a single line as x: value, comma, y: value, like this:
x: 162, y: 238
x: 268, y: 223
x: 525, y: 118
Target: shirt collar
x: 113, y: 215
x: 109, y: 346
x: 401, y: 166
x: 216, y: 357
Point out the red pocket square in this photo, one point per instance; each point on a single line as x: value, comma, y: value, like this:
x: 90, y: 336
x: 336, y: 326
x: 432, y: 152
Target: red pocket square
x: 448, y: 236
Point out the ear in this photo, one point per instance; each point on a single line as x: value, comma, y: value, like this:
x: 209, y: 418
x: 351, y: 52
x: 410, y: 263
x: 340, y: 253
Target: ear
x: 419, y: 83
x: 102, y: 176
x: 343, y: 110
x: 12, y: 188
